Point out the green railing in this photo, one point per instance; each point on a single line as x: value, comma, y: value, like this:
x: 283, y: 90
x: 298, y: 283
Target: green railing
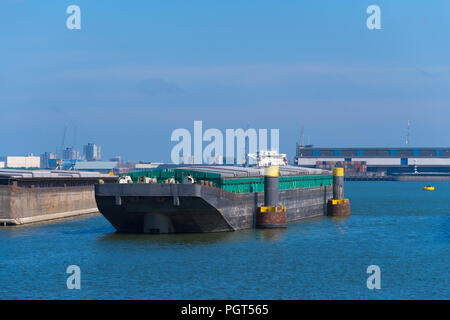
x: 244, y: 185
x: 235, y: 185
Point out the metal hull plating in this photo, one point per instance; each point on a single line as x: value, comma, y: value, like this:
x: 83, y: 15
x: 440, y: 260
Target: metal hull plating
x: 179, y: 208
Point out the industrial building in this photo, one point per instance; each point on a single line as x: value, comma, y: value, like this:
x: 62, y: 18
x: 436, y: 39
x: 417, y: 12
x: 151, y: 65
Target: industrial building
x: 48, y: 160
x: 381, y: 160
x: 97, y: 166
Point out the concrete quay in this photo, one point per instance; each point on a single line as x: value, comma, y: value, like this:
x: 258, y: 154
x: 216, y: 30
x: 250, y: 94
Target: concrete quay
x: 36, y: 196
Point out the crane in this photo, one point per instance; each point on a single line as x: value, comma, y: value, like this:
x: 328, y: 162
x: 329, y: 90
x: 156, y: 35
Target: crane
x: 63, y: 140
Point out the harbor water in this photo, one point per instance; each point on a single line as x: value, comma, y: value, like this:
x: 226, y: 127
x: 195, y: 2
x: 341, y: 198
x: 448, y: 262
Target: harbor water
x: 395, y: 225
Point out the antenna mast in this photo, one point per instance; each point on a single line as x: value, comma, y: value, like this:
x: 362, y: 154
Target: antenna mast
x: 247, y: 146
x: 302, y: 136
x: 407, y: 135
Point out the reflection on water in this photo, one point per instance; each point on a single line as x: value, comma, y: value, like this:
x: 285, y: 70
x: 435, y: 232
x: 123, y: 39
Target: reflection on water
x: 394, y: 225
x: 340, y: 223
x: 173, y: 239
x: 272, y: 234
x: 197, y: 238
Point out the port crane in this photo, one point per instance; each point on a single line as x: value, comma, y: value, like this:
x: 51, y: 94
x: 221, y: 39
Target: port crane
x: 60, y: 153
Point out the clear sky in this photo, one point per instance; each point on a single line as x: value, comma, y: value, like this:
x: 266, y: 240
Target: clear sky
x: 137, y: 70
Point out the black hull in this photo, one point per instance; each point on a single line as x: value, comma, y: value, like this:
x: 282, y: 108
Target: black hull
x: 182, y: 208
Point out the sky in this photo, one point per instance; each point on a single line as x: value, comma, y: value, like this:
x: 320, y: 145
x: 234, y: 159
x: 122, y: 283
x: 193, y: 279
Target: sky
x: 138, y: 70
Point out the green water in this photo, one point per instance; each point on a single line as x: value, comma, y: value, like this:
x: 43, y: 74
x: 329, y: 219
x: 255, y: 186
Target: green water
x: 395, y: 225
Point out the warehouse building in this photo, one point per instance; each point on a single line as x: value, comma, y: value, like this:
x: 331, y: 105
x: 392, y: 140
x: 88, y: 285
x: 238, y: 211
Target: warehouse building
x: 387, y: 160
x: 97, y: 166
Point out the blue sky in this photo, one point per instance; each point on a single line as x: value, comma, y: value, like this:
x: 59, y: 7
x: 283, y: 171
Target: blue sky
x: 138, y: 70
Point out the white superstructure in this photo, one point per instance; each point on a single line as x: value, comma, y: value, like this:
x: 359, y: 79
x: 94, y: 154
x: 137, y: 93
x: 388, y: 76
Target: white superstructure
x: 269, y: 158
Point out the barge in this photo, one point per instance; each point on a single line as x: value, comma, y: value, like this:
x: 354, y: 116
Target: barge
x: 28, y: 196
x: 209, y: 198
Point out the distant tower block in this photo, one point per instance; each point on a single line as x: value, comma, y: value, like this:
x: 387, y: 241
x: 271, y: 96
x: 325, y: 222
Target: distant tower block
x: 338, y: 206
x: 92, y: 152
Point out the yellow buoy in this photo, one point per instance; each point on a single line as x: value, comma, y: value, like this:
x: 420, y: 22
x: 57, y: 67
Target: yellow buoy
x: 428, y: 188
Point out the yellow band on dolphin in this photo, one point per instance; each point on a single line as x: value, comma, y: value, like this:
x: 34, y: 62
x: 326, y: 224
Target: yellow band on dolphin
x: 271, y: 171
x: 338, y: 172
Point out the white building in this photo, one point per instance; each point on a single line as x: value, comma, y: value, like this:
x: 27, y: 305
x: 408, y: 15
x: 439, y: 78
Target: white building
x: 146, y: 166
x: 23, y: 162
x: 2, y: 164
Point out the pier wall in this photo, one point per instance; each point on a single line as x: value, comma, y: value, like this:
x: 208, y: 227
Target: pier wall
x: 25, y: 205
x: 5, y: 201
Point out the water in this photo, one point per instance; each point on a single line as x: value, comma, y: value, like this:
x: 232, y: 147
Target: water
x: 395, y: 225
